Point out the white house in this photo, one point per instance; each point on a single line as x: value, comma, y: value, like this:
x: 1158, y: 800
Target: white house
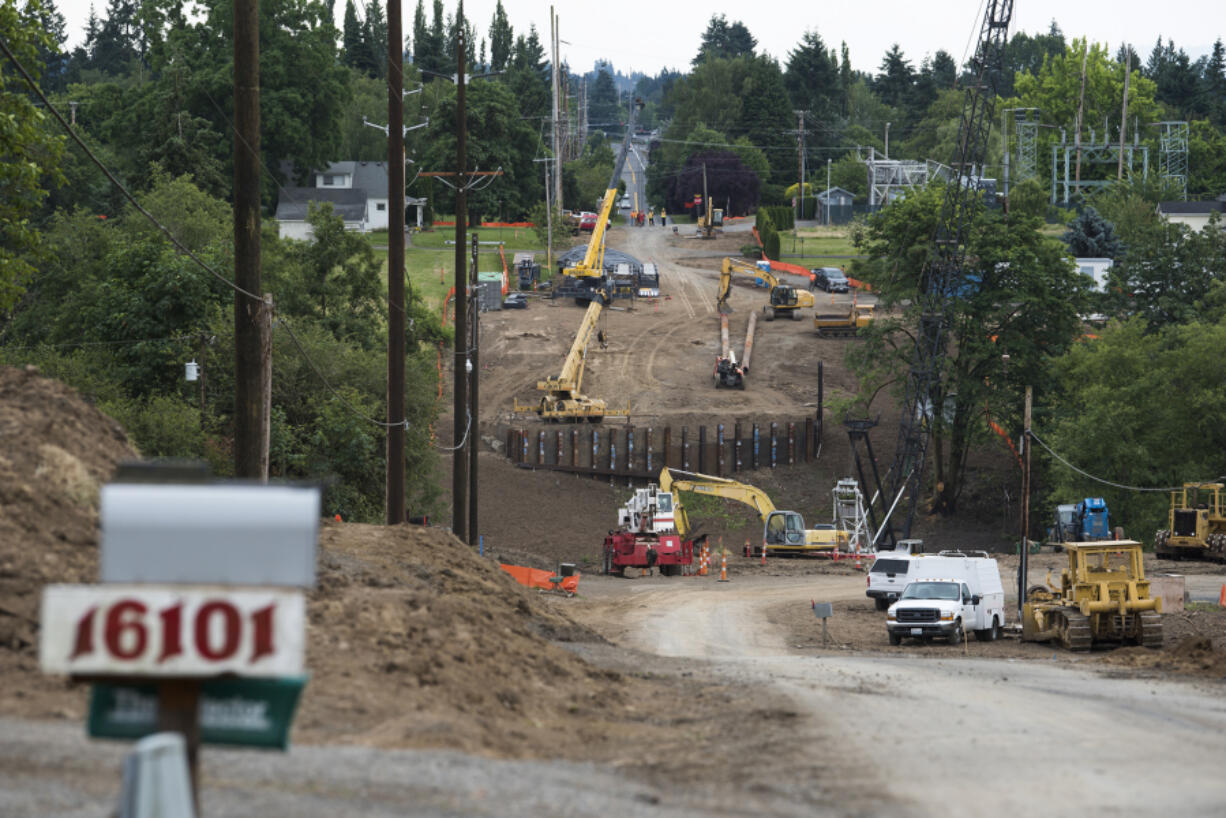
x: 1096, y: 268
x: 357, y: 192
x: 1194, y: 214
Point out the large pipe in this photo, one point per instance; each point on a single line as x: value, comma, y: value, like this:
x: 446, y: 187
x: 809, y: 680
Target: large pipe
x: 753, y: 322
x: 725, y: 345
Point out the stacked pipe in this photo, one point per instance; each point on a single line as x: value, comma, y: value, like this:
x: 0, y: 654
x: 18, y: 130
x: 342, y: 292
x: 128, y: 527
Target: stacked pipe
x: 725, y: 345
x: 753, y: 322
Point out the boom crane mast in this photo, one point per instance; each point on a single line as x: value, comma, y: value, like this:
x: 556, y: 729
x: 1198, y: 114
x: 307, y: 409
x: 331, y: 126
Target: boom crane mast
x: 939, y: 279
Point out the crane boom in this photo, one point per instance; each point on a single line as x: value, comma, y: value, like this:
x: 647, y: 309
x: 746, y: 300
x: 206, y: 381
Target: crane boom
x: 571, y: 377
x: 941, y: 278
x: 755, y: 498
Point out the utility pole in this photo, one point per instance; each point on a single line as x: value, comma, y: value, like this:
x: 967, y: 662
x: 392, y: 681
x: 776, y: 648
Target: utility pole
x: 1025, y: 547
x: 475, y: 379
x: 1004, y: 149
x: 799, y: 206
x: 887, y: 140
x: 548, y: 216
x: 252, y: 316
x: 463, y: 423
x: 557, y: 142
x: 1119, y: 173
x: 1085, y: 55
x: 827, y: 206
x: 394, y: 501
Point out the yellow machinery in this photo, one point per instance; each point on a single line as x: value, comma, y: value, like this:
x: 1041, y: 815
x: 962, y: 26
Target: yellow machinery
x: 785, y: 300
x: 1197, y: 521
x: 1103, y: 597
x: 844, y: 324
x: 783, y: 532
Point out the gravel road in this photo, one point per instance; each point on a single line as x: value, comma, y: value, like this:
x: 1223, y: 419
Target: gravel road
x: 958, y: 736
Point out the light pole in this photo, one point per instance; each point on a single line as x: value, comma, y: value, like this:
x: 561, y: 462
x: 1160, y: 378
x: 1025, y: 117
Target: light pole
x: 827, y: 204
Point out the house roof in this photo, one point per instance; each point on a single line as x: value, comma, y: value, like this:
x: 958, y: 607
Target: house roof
x: 371, y: 177
x: 348, y: 203
x: 835, y: 191
x: 1191, y: 208
x: 338, y: 168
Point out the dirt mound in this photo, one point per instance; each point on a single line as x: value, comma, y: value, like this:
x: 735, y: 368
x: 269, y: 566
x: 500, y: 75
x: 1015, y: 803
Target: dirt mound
x: 57, y: 452
x: 417, y: 641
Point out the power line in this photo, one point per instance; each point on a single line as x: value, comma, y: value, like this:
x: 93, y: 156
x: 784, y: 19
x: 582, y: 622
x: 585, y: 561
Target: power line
x: 1085, y: 473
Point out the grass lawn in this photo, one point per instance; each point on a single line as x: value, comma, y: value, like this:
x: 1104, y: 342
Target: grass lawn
x: 817, y: 247
x: 430, y: 257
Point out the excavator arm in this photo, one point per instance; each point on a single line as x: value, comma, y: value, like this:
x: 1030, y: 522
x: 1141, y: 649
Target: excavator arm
x: 717, y: 487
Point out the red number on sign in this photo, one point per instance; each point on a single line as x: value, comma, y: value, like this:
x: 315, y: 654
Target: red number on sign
x: 230, y: 630
x: 117, y: 624
x: 85, y: 634
x: 262, y: 641
x: 172, y: 632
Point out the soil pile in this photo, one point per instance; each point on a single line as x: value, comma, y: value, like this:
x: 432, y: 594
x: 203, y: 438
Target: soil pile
x: 56, y: 451
x: 416, y: 641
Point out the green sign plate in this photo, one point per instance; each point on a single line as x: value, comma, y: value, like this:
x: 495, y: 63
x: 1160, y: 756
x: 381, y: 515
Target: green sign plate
x: 246, y: 712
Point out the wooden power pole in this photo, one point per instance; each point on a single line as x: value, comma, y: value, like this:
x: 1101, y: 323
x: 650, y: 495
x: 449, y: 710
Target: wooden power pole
x: 252, y: 316
x: 1025, y: 547
x: 395, y: 266
x: 464, y: 425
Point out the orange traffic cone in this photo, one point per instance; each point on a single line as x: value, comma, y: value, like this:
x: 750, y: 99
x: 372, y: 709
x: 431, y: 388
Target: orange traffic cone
x: 858, y: 567
x: 1221, y: 600
x: 723, y: 568
x: 764, y: 552
x: 338, y: 518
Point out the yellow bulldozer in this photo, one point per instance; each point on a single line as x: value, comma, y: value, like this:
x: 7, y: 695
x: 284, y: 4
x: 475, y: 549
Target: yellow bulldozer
x: 1197, y: 520
x: 1103, y: 596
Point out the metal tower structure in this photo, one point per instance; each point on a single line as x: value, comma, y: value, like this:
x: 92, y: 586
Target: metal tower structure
x: 1093, y: 152
x: 890, y: 178
x: 1026, y: 124
x: 1173, y: 155
x: 942, y: 275
x: 850, y: 515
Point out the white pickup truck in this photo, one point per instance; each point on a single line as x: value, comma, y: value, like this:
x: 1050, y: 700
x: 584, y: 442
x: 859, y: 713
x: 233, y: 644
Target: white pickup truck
x: 947, y: 595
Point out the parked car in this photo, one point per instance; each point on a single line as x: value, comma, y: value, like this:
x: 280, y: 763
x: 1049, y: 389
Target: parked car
x: 625, y: 202
x: 830, y: 279
x: 515, y: 301
x: 587, y: 220
x: 887, y: 576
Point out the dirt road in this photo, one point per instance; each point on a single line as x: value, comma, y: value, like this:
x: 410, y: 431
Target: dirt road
x: 953, y: 736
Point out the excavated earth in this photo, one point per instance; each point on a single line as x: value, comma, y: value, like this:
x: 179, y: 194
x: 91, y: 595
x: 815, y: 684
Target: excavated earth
x: 416, y: 640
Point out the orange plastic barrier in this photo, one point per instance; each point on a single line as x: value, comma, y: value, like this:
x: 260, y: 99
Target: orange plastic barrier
x: 505, y: 283
x: 536, y: 578
x: 1005, y: 436
x: 488, y: 224
x: 804, y: 271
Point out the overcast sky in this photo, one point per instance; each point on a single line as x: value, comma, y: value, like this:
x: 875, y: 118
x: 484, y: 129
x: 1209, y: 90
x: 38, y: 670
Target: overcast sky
x: 637, y: 35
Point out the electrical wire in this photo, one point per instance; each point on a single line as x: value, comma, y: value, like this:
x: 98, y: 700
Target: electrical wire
x: 464, y: 440
x: 4, y: 46
x: 1085, y: 473
x: 280, y: 323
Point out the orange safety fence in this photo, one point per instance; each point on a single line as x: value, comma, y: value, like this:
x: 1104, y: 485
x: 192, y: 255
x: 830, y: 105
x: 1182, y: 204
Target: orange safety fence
x: 1008, y: 440
x: 536, y: 578
x: 796, y: 269
x: 488, y: 224
x: 446, y: 300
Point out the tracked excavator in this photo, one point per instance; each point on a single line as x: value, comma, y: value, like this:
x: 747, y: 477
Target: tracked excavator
x: 786, y: 301
x: 783, y: 532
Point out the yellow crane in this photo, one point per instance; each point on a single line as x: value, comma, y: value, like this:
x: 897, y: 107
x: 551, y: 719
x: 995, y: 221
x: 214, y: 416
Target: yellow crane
x: 783, y: 532
x: 785, y: 300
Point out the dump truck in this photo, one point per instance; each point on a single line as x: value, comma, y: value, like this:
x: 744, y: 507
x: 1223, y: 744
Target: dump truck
x: 1103, y: 597
x: 843, y: 324
x: 1197, y: 520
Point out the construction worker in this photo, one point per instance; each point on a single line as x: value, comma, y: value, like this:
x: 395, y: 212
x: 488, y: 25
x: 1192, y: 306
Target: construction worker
x: 663, y: 218
x: 651, y: 217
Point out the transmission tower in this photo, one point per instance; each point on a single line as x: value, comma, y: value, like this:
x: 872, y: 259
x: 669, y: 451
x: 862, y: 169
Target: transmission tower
x: 1173, y: 155
x: 1026, y: 124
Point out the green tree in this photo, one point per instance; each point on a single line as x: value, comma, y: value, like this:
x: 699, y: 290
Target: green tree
x: 1092, y: 236
x: 30, y: 152
x: 812, y: 77
x: 1139, y: 408
x: 502, y: 39
x: 895, y: 78
x: 602, y: 107
x: 374, y: 40
x: 352, y: 47
x: 1019, y: 295
x: 724, y: 40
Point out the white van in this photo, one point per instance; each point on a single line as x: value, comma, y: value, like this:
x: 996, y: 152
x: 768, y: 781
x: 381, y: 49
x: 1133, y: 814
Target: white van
x: 948, y: 594
x: 890, y: 572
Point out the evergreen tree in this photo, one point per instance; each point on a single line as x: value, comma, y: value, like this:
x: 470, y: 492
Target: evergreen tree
x: 724, y: 39
x: 1214, y: 82
x: 351, y: 38
x: 421, y: 36
x: 894, y: 82
x: 50, y: 52
x: 528, y: 75
x: 602, y: 107
x: 502, y: 39
x: 1172, y: 71
x: 845, y: 78
x: 1092, y: 236
x: 812, y: 77
x: 374, y: 37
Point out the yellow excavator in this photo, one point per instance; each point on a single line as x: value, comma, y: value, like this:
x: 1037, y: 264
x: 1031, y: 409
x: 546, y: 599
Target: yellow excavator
x: 783, y: 532
x: 786, y: 301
